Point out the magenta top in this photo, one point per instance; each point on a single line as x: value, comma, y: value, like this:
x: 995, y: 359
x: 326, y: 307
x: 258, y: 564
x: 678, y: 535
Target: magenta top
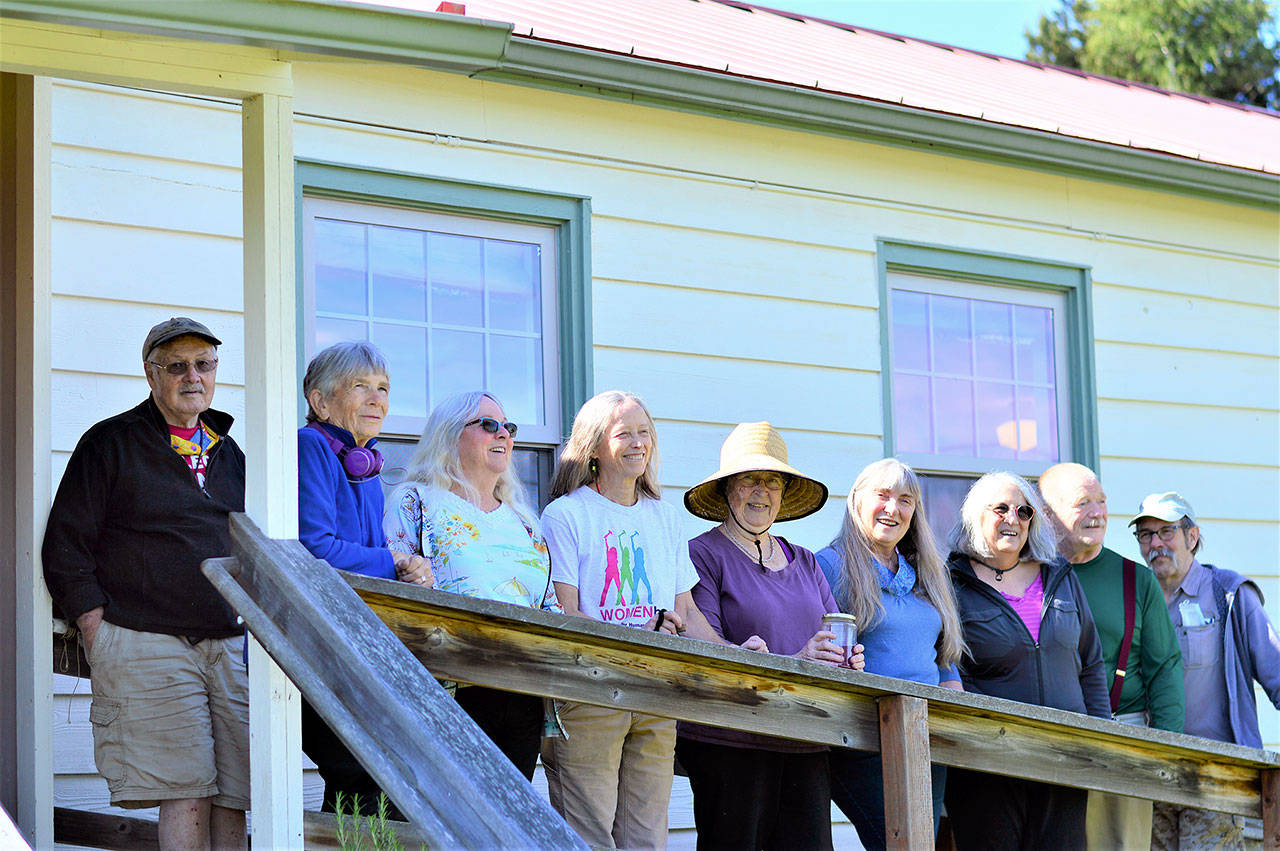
x: 1030, y: 606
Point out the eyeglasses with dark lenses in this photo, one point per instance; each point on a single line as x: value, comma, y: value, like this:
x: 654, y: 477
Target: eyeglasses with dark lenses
x: 1024, y: 512
x: 180, y: 367
x: 491, y: 425
x: 1166, y: 534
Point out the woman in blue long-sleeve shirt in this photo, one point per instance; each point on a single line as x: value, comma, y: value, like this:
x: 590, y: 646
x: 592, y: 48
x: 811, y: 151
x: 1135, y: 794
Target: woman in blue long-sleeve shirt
x: 340, y: 516
x: 885, y: 569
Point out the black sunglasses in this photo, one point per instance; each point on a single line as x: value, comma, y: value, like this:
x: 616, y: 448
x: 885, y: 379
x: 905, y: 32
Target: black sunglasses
x: 1025, y: 512
x: 491, y: 425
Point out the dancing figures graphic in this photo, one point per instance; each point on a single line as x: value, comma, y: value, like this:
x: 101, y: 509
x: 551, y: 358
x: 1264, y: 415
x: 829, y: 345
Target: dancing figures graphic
x: 638, y: 573
x: 611, y: 573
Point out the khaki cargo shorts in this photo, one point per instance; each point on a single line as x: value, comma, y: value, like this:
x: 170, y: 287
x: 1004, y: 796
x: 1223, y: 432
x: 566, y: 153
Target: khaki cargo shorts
x: 170, y: 719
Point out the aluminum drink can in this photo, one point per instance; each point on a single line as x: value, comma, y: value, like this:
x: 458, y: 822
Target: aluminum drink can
x: 846, y: 629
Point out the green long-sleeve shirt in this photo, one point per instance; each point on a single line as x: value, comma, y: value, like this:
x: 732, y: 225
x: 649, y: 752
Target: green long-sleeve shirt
x: 1153, y: 678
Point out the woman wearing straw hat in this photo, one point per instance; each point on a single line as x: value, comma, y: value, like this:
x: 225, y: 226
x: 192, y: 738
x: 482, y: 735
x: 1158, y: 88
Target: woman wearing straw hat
x: 886, y: 571
x: 618, y: 555
x: 753, y: 791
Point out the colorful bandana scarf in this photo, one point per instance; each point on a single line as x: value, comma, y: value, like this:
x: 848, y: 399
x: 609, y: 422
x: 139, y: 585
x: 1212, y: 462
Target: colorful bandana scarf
x: 193, y: 445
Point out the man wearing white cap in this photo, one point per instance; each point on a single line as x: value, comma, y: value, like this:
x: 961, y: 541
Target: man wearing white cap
x: 1227, y: 642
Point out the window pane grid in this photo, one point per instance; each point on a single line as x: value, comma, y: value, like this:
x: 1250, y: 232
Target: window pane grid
x: 989, y: 386
x: 455, y: 313
x: 427, y: 326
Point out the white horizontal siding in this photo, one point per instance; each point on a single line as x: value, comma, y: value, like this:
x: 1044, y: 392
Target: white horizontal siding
x: 146, y: 225
x: 147, y: 265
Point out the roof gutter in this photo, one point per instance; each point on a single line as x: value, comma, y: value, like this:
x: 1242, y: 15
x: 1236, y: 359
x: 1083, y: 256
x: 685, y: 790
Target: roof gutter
x: 330, y: 27
x: 487, y: 49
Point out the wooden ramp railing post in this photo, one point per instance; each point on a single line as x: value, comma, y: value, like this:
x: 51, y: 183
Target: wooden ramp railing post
x: 1270, y: 782
x: 908, y: 784
x: 443, y: 773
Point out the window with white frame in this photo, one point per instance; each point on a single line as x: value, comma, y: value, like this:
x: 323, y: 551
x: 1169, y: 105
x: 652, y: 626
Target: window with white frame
x: 988, y: 365
x: 462, y: 287
x: 455, y: 303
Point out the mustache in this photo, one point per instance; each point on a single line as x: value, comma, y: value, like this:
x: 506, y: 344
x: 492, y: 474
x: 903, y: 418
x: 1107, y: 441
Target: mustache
x: 1158, y: 552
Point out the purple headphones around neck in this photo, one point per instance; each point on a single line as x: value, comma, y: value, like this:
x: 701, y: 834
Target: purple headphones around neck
x: 359, y: 462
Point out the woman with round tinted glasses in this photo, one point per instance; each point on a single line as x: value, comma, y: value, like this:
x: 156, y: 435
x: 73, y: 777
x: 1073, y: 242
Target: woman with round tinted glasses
x: 1029, y: 637
x: 463, y: 509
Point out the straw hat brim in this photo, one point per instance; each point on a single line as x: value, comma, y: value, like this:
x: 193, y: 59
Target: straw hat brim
x: 802, y: 497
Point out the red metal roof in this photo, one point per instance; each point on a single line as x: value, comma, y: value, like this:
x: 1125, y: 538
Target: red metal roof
x: 737, y: 39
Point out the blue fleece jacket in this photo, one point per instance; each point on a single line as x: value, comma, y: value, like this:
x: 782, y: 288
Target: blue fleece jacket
x: 339, y: 519
x: 1250, y: 651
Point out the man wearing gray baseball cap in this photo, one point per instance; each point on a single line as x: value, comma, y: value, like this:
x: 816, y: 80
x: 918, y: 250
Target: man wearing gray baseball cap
x: 1227, y: 642
x: 144, y: 499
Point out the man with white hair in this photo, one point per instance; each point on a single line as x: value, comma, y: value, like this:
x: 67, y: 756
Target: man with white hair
x: 1227, y: 642
x: 1139, y: 647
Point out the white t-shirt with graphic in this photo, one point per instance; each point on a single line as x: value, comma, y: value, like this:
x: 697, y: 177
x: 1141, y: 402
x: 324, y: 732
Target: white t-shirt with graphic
x: 627, y: 561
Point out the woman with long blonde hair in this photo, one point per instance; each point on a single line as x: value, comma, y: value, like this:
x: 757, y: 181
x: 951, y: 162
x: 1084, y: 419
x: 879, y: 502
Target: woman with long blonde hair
x: 886, y: 571
x: 463, y: 509
x: 618, y: 555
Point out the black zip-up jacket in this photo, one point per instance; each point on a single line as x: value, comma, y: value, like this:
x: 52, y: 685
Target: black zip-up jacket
x: 130, y: 525
x: 1063, y: 670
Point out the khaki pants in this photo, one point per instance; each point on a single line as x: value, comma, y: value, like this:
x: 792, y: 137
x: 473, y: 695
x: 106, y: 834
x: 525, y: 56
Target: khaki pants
x: 1116, y: 822
x: 170, y: 720
x: 611, y: 778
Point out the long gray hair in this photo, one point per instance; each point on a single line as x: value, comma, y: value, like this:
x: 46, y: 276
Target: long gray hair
x: 966, y: 536
x: 575, y: 469
x: 435, y: 462
x: 337, y: 365
x: 858, y: 586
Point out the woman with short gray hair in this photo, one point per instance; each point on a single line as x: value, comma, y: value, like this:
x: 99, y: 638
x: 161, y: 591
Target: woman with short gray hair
x: 340, y: 516
x: 1029, y: 637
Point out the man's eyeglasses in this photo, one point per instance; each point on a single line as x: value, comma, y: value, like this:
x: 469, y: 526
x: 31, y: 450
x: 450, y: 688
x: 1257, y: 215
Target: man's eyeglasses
x: 180, y: 367
x: 1024, y: 512
x: 1166, y: 534
x: 491, y: 425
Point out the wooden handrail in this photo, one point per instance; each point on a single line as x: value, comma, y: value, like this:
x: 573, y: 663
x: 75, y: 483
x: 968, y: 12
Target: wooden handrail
x: 306, y: 616
x: 494, y: 644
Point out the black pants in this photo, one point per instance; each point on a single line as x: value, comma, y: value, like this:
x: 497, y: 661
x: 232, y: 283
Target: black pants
x: 746, y: 798
x: 997, y: 813
x: 857, y: 787
x: 512, y: 721
x: 339, y: 768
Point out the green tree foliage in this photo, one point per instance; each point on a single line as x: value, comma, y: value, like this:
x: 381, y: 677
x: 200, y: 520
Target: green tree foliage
x: 1220, y: 48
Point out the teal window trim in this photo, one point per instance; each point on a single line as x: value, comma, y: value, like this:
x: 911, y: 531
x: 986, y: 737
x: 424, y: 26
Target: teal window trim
x: 570, y: 215
x: 1072, y: 280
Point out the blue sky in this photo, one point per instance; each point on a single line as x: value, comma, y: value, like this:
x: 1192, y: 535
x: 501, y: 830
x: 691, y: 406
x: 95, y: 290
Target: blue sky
x: 994, y: 26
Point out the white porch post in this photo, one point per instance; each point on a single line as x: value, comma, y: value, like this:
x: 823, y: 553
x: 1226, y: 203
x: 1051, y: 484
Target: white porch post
x: 28, y: 698
x: 271, y: 391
